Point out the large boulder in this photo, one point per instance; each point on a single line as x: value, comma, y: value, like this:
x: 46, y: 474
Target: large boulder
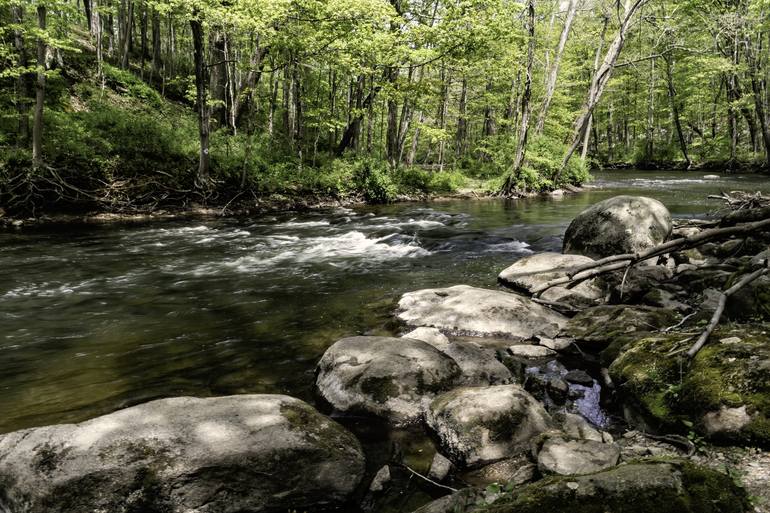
x: 721, y: 395
x: 464, y: 310
x: 534, y: 271
x: 671, y: 486
x: 623, y: 224
x: 393, y: 378
x: 485, y: 424
x: 184, y: 455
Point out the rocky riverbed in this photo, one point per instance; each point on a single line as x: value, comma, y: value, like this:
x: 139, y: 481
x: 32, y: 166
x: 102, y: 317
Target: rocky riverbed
x: 548, y: 393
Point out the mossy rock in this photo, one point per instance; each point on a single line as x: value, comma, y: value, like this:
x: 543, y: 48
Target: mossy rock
x: 724, y: 393
x: 660, y: 486
x: 599, y: 326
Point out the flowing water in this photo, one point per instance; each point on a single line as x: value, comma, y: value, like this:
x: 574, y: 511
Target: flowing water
x: 99, y: 318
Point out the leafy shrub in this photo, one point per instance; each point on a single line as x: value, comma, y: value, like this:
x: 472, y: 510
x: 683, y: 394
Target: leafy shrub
x: 122, y: 80
x: 373, y: 179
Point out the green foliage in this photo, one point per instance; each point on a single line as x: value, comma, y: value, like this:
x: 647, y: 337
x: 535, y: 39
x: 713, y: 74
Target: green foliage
x: 126, y: 81
x: 375, y: 182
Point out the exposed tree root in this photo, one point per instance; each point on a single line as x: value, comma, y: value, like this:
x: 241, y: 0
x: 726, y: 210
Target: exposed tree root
x: 721, y: 308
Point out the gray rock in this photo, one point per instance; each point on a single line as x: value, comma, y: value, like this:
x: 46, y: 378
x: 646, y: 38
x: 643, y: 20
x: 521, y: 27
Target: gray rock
x: 465, y: 310
x: 663, y: 299
x: 439, y: 467
x: 529, y: 351
x: 464, y: 500
x: 579, y: 377
x: 726, y: 421
x: 513, y: 471
x: 555, y: 344
x: 477, y: 364
x: 760, y: 258
x: 181, y: 455
x: 531, y: 272
x: 381, y: 479
x: 432, y: 336
x: 566, y: 457
x: 673, y: 486
x: 600, y: 325
x: 484, y: 424
x: 576, y: 427
x: 394, y: 378
x: 623, y: 224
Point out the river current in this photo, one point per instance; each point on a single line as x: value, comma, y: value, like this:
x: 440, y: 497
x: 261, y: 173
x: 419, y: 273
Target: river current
x: 98, y: 318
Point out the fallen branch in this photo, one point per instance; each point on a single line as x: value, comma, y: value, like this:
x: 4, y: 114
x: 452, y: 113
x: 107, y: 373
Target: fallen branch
x: 720, y: 310
x: 618, y: 262
x: 431, y: 481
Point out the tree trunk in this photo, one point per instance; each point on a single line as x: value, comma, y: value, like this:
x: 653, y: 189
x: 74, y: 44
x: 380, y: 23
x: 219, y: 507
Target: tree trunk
x: 599, y: 82
x: 218, y: 78
x: 462, y: 121
x: 143, y: 37
x: 599, y: 49
x: 490, y: 127
x: 37, y: 128
x: 521, y: 144
x: 675, y: 109
x: 553, y: 73
x: 127, y: 29
x: 610, y: 139
x: 446, y: 81
x: 24, y: 80
x: 757, y: 88
x: 201, y: 80
x: 391, y: 145
x: 415, y: 141
x: 650, y: 132
x: 88, y: 8
x: 156, y: 49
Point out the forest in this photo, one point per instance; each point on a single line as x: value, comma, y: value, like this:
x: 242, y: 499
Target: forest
x: 132, y: 104
x: 384, y: 256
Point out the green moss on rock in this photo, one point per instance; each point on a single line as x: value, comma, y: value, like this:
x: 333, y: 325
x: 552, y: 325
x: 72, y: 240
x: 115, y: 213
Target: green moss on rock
x: 736, y: 374
x: 660, y: 486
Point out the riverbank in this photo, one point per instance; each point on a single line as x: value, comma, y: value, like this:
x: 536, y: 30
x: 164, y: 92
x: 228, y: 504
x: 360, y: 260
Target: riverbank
x: 235, y: 208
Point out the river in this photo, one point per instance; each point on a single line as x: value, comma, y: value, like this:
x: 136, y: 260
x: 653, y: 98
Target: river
x: 98, y: 318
